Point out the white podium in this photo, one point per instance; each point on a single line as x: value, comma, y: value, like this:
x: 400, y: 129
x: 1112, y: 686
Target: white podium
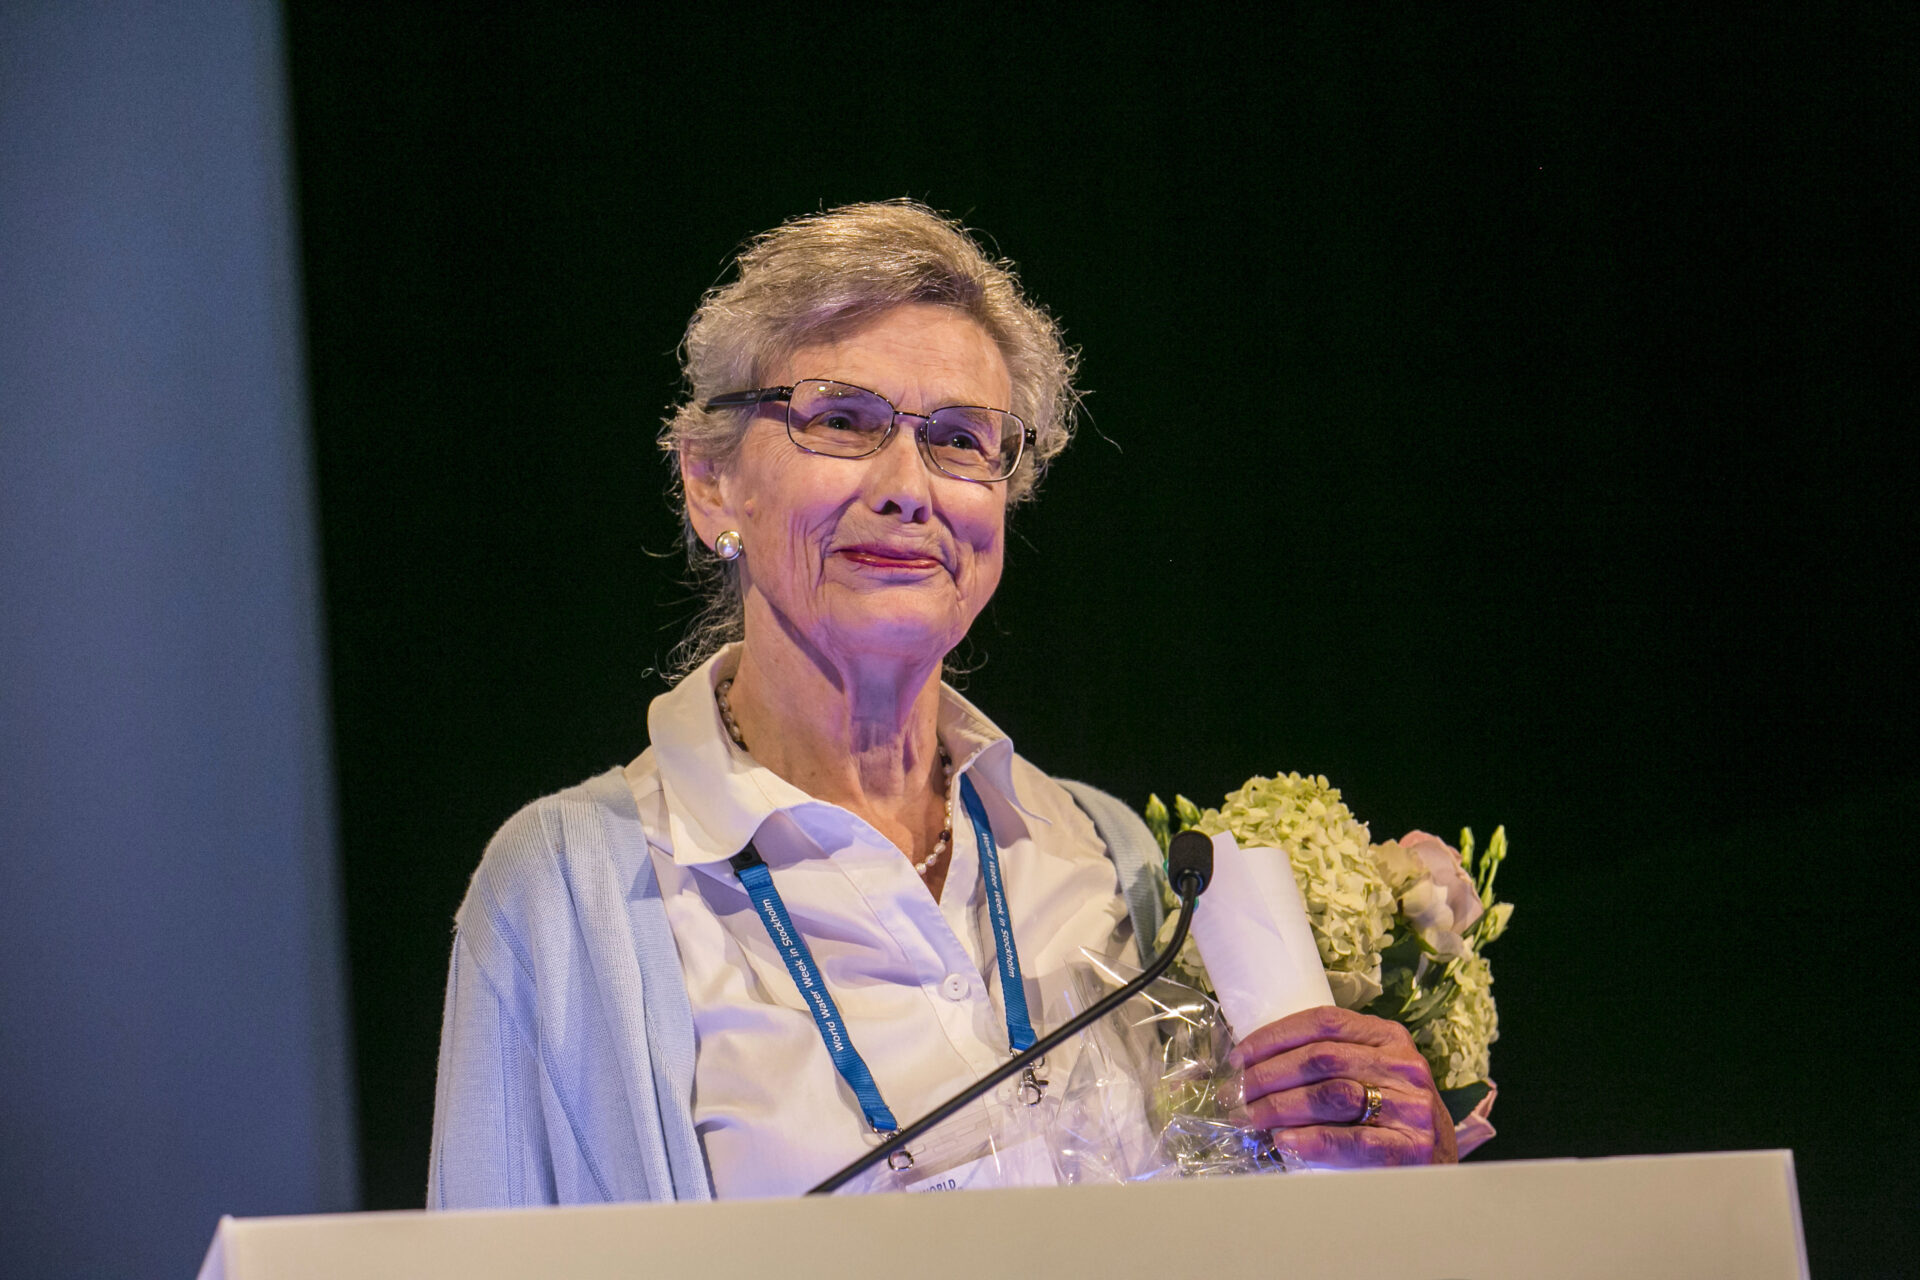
x: 1733, y: 1215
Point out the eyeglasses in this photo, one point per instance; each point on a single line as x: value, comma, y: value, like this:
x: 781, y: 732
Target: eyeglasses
x: 839, y: 420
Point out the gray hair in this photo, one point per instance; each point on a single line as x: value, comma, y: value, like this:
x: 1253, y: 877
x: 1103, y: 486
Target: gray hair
x: 823, y: 275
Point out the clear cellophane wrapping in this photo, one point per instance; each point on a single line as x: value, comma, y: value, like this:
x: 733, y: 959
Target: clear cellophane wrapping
x: 1141, y: 1099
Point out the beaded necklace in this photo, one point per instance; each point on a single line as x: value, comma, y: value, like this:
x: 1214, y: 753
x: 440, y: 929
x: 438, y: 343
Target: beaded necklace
x: 940, y: 846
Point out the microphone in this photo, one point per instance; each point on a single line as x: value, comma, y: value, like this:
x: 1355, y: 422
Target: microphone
x: 1189, y: 868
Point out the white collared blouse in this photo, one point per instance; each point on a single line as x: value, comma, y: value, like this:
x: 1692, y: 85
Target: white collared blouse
x: 915, y: 979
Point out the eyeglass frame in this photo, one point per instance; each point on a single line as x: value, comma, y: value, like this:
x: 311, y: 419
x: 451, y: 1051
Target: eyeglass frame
x: 770, y: 395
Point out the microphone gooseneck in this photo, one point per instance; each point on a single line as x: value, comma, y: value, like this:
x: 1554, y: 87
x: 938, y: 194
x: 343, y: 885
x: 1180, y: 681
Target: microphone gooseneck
x: 1189, y: 868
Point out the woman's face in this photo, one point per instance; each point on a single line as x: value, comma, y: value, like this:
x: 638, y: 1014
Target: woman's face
x: 876, y: 556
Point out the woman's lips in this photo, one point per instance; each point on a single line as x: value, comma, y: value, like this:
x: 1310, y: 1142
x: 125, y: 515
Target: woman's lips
x: 884, y: 558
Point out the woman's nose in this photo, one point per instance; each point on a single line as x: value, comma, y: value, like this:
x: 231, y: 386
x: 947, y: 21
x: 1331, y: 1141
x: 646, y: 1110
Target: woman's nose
x: 897, y: 478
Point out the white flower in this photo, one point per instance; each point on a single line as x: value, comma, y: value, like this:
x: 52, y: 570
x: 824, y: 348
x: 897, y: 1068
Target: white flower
x: 1354, y: 990
x: 1435, y: 893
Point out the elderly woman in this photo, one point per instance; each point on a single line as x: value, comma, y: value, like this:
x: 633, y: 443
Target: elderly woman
x: 625, y: 1015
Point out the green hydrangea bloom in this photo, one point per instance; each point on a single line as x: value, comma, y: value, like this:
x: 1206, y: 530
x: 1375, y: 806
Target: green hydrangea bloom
x: 1348, y: 902
x: 1459, y: 1046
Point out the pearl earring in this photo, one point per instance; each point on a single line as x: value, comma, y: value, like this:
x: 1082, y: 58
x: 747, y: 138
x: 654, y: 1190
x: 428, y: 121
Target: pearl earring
x: 728, y: 545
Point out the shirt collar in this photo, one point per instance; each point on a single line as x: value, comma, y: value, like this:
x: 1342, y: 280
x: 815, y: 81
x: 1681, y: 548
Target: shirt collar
x: 717, y: 796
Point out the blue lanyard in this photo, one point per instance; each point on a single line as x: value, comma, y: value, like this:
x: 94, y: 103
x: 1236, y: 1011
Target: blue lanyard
x: 1013, y: 991
x: 757, y: 879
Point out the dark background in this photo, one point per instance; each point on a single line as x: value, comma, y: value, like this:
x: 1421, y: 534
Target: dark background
x: 1505, y: 415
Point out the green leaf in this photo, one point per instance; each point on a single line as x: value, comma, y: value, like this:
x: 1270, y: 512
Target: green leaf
x: 1403, y: 951
x: 1461, y: 1102
x: 1399, y: 989
x: 1430, y: 1005
x: 1403, y: 998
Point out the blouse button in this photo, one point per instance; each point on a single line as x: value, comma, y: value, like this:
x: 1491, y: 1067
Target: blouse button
x: 955, y: 987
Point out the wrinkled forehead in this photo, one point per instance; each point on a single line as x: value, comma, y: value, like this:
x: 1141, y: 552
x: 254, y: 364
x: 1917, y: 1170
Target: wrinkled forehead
x: 919, y: 355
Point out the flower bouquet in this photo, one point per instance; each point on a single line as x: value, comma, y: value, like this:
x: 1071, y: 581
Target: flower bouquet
x: 1401, y: 927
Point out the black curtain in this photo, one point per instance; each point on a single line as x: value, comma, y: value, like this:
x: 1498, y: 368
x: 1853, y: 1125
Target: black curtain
x: 1504, y: 414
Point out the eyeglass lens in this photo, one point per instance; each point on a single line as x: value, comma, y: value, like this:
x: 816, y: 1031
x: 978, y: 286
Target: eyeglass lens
x: 843, y: 421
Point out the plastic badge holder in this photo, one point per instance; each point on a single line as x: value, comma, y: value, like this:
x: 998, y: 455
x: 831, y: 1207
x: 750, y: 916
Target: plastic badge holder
x: 998, y: 1141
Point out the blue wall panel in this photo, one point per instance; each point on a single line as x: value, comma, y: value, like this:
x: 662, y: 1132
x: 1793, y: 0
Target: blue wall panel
x: 172, y: 1040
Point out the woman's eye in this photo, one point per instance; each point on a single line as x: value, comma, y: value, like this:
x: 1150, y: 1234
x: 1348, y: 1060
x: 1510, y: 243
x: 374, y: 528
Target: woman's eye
x: 960, y: 438
x: 965, y: 431
x: 846, y: 421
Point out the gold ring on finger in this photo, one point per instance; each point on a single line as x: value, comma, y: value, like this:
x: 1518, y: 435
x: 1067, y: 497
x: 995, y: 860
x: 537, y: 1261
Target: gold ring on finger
x: 1375, y: 1100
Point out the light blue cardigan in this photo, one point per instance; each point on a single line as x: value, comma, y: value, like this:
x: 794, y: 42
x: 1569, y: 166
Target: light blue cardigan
x: 566, y: 1054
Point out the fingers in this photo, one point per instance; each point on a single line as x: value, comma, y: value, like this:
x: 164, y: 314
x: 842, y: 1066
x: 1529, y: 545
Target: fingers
x: 1309, y: 1025
x: 1332, y: 1060
x: 1305, y: 1078
x: 1340, y: 1102
x: 1355, y: 1146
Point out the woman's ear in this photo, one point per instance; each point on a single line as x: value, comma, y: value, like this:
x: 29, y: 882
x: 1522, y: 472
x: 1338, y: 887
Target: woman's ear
x: 707, y: 509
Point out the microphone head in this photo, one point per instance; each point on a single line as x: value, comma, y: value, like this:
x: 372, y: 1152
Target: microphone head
x: 1190, y: 854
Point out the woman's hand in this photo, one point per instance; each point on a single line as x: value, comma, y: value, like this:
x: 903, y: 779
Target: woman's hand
x: 1305, y: 1077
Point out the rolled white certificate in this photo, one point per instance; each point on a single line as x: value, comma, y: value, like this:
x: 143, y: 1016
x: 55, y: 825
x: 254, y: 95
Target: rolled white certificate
x: 1252, y: 930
